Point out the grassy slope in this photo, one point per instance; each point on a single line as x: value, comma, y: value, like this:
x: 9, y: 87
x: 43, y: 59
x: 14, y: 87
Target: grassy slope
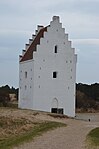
x: 27, y: 136
x: 93, y: 137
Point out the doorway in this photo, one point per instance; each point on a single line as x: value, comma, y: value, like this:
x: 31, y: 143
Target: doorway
x: 55, y: 108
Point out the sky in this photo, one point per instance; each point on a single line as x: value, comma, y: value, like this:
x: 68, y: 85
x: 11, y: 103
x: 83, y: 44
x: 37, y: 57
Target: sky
x: 19, y: 19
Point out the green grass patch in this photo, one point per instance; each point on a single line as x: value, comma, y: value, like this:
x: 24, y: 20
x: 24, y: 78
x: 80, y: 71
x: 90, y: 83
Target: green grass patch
x: 93, y: 137
x: 29, y: 135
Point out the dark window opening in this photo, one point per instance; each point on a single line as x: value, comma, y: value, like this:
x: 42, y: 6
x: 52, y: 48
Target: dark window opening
x: 60, y: 111
x: 55, y: 74
x: 66, y: 61
x: 25, y: 87
x: 54, y: 110
x: 55, y: 51
x: 57, y: 110
x: 26, y: 74
x: 70, y: 61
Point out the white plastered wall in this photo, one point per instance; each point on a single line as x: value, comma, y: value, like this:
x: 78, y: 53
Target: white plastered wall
x: 38, y: 93
x: 26, y: 84
x: 46, y: 88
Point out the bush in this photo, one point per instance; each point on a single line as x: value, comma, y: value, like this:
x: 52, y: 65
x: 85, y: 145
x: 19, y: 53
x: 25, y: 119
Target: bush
x: 4, y: 99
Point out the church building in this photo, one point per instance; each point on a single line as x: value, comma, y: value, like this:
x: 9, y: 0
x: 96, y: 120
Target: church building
x: 47, y: 71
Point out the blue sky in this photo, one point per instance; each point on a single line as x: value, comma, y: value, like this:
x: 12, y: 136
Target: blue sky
x: 19, y: 19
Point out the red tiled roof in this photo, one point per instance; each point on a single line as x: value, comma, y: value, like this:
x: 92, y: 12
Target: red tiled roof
x: 29, y: 53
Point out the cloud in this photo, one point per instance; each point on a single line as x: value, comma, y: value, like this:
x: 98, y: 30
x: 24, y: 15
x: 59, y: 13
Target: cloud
x: 25, y: 8
x: 88, y: 49
x: 86, y: 7
x: 86, y: 41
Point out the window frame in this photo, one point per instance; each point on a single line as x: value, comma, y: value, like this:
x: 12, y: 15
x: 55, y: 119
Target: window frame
x: 55, y: 74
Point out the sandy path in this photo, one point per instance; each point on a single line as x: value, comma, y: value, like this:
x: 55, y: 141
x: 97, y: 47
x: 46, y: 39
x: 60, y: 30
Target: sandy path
x: 71, y: 137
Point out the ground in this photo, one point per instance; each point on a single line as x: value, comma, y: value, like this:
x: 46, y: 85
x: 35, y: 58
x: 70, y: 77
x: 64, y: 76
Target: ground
x: 71, y: 137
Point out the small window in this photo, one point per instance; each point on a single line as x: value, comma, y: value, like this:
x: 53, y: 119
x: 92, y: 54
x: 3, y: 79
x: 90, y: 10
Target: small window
x: 55, y: 50
x: 70, y: 61
x: 55, y: 74
x: 25, y: 74
x: 66, y: 61
x: 71, y: 77
x: 25, y: 87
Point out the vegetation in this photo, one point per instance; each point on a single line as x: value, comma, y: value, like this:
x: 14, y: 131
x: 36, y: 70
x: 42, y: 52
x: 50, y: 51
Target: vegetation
x: 28, y: 135
x: 54, y: 115
x: 4, y: 95
x: 87, y: 97
x: 91, y: 91
x: 18, y: 126
x: 93, y: 138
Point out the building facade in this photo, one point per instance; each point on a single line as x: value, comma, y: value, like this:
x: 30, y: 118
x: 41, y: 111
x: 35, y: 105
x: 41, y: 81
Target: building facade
x: 47, y: 71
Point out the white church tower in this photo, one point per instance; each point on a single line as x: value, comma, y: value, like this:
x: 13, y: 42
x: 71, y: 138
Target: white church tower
x: 47, y: 71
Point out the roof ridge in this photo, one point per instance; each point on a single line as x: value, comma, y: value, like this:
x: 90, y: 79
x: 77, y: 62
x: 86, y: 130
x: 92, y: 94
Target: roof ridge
x: 29, y: 53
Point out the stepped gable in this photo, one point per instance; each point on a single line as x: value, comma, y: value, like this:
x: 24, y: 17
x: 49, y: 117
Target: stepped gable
x: 29, y: 53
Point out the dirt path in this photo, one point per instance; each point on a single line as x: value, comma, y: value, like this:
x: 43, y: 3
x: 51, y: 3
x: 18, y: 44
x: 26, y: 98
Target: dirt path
x: 71, y: 137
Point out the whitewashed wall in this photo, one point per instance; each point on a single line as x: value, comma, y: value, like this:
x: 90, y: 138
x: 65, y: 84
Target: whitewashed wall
x: 44, y: 88
x: 26, y: 85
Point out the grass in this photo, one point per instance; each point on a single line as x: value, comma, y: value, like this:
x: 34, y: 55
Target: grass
x: 93, y: 137
x: 8, y: 122
x: 54, y: 115
x: 10, y: 105
x: 29, y: 135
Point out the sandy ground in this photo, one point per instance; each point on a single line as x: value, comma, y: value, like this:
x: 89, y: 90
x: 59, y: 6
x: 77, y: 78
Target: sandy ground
x: 71, y: 137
